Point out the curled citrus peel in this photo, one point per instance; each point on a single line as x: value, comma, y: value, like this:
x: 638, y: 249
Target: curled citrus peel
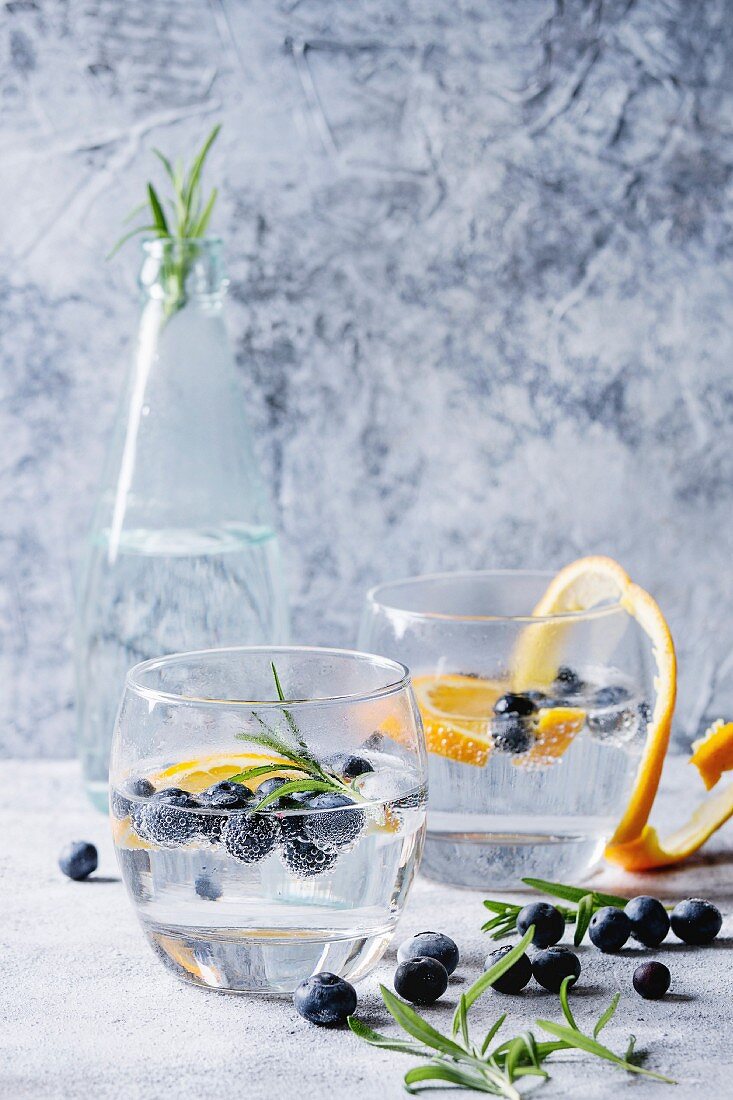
x: 591, y: 583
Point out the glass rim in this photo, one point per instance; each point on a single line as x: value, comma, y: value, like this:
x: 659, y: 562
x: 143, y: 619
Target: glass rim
x: 134, y: 684
x: 375, y: 600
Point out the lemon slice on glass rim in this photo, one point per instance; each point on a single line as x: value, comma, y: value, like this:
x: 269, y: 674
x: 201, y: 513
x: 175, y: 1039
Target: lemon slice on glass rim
x: 635, y: 845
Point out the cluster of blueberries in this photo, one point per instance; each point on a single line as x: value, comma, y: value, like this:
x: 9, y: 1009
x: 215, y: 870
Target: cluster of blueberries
x: 512, y: 728
x: 309, y: 843
x: 428, y: 959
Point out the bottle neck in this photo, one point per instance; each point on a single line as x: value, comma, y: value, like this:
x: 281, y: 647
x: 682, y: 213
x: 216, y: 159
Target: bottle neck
x: 179, y: 272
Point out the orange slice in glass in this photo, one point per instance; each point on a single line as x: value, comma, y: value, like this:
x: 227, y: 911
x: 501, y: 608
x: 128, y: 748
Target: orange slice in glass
x: 555, y: 729
x: 196, y: 775
x: 455, y: 711
x: 582, y: 586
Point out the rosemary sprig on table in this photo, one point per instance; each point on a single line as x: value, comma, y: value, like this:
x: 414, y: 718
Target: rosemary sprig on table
x: 312, y: 775
x: 504, y: 921
x: 459, y: 1060
x: 185, y: 224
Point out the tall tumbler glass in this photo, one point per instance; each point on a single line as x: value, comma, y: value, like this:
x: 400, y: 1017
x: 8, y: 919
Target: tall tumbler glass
x: 528, y: 774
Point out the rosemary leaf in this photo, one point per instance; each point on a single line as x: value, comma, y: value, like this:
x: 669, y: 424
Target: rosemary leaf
x: 579, y: 1041
x: 294, y: 787
x: 419, y: 1028
x: 572, y: 893
x: 489, y: 977
x: 605, y: 1018
x: 401, y: 1046
x: 586, y: 907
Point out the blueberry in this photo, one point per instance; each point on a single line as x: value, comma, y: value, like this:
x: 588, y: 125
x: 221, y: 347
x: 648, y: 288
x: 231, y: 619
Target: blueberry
x: 226, y: 796
x: 250, y: 837
x: 516, y: 977
x: 348, y: 765
x: 553, y: 965
x: 511, y: 734
x: 137, y: 787
x: 514, y: 703
x: 696, y: 921
x: 336, y: 829
x: 305, y: 860
x: 207, y: 887
x: 538, y: 698
x: 609, y: 929
x: 78, y: 859
x: 430, y: 945
x: 166, y: 819
x: 325, y: 999
x: 549, y: 923
x: 649, y: 920
x: 421, y: 980
x: 651, y: 980
x: 267, y: 787
x: 222, y: 796
x: 567, y: 682
x: 613, y: 717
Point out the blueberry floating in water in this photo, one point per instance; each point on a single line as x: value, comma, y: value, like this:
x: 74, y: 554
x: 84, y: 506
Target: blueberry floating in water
x: 325, y: 999
x: 651, y: 980
x: 609, y: 929
x: 349, y: 766
x: 421, y: 980
x: 269, y: 786
x: 608, y: 721
x: 165, y: 819
x: 511, y: 734
x: 649, y: 920
x: 516, y: 977
x: 430, y: 945
x: 304, y: 859
x: 250, y: 837
x: 553, y: 965
x: 137, y: 787
x: 207, y: 887
x: 335, y: 829
x: 549, y: 923
x: 222, y: 796
x: 515, y: 703
x: 78, y: 859
x: 696, y: 921
x: 567, y: 682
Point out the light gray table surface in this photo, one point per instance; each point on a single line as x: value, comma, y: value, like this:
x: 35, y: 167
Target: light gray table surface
x: 86, y: 1011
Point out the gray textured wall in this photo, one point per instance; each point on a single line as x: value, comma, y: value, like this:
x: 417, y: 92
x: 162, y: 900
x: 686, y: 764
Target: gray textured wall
x: 482, y: 265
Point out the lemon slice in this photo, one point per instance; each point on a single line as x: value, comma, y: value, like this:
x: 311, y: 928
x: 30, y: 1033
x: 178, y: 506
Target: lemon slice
x: 196, y: 775
x: 582, y: 586
x: 455, y: 711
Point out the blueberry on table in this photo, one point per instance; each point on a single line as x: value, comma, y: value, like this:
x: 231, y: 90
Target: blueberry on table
x: 421, y: 980
x: 609, y: 929
x: 78, y: 859
x: 166, y: 819
x: 651, y: 980
x: 567, y: 683
x: 511, y: 734
x: 696, y: 921
x: 430, y: 945
x: 649, y: 920
x: 325, y: 999
x: 250, y: 837
x: 304, y: 859
x: 553, y: 965
x: 516, y: 977
x: 337, y: 828
x: 515, y: 703
x: 549, y: 923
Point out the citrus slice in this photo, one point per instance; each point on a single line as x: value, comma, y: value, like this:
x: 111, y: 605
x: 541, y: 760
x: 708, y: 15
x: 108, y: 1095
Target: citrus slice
x: 455, y: 711
x: 196, y: 775
x: 582, y: 586
x: 712, y: 754
x: 555, y: 729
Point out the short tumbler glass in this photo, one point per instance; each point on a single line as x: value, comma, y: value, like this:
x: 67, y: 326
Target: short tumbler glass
x: 535, y: 793
x: 237, y: 896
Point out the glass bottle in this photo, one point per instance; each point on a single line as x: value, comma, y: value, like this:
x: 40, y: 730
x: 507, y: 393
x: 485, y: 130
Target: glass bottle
x: 183, y: 553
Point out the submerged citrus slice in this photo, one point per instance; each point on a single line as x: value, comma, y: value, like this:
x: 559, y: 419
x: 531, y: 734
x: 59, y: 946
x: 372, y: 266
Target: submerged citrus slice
x: 196, y: 775
x: 582, y: 586
x: 555, y: 729
x: 455, y: 711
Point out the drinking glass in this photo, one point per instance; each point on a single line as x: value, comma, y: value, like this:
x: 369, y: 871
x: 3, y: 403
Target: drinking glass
x: 527, y: 787
x: 234, y: 895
